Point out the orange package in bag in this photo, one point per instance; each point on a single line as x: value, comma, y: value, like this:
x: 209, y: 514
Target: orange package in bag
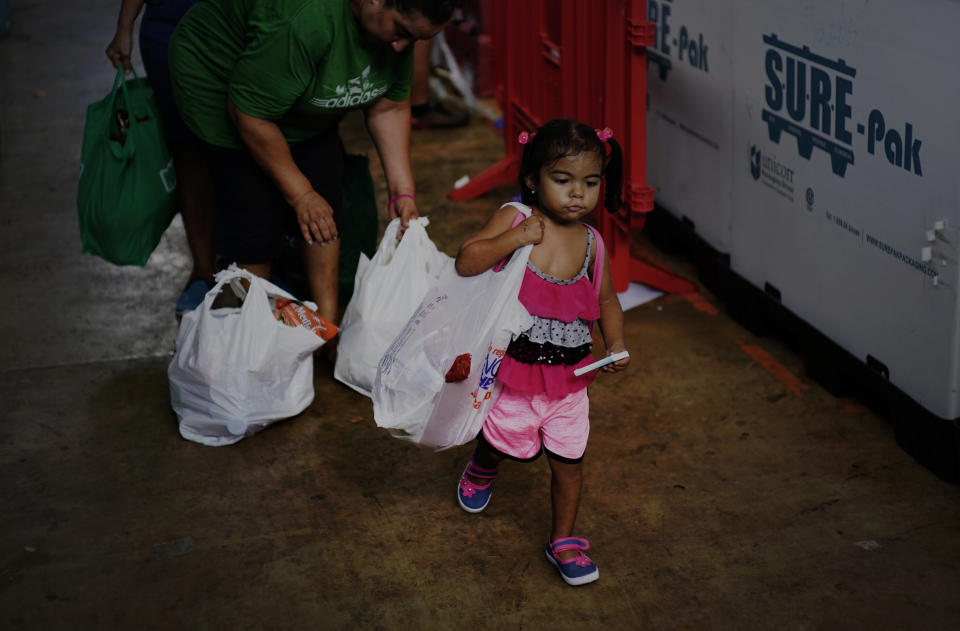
x: 295, y: 313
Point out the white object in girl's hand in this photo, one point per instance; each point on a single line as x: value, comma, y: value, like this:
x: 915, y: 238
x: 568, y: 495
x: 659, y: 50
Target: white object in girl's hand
x: 600, y: 363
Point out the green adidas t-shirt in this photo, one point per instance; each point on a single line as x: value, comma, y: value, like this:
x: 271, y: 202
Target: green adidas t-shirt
x: 302, y: 63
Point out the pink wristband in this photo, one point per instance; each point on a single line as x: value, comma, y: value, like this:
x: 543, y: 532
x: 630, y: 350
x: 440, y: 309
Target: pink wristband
x: 394, y: 199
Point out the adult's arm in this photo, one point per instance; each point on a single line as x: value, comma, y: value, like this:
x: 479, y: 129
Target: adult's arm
x: 388, y: 123
x: 121, y: 46
x: 270, y: 150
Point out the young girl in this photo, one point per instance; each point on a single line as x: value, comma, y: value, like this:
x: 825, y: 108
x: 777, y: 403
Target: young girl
x: 543, y: 406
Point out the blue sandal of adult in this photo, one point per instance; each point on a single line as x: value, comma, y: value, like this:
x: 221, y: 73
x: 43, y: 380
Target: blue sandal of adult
x: 577, y: 570
x: 474, y: 497
x: 192, y: 295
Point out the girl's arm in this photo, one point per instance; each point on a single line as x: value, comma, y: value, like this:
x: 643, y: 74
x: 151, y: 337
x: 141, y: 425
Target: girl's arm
x: 388, y: 123
x: 496, y: 240
x: 611, y: 320
x: 270, y: 150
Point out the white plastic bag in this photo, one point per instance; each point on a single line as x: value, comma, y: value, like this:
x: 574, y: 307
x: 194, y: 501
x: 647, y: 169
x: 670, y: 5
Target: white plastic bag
x: 388, y: 289
x: 236, y: 370
x: 475, y: 315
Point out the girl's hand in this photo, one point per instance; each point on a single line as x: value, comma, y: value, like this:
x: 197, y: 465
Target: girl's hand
x: 532, y: 229
x: 315, y: 217
x: 618, y: 365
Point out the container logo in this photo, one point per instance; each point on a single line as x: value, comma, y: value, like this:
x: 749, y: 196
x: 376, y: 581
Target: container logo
x: 755, y: 162
x: 689, y: 47
x: 807, y: 96
x: 772, y: 173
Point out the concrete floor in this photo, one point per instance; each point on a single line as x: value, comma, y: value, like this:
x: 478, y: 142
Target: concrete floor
x: 724, y: 489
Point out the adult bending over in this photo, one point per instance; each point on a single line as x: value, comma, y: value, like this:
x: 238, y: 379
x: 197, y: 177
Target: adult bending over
x: 264, y: 83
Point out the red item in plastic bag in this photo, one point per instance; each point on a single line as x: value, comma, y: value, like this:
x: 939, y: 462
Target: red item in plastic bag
x: 460, y: 369
x: 295, y: 313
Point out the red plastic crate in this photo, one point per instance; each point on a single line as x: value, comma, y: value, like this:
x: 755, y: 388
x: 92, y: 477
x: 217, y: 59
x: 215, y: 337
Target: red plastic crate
x: 585, y: 61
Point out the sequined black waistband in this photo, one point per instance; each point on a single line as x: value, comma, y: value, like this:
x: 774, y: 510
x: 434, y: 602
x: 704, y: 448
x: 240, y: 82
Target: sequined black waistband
x: 527, y: 352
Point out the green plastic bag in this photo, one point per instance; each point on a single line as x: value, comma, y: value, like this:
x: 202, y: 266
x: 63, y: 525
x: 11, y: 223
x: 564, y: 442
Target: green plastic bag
x: 125, y: 195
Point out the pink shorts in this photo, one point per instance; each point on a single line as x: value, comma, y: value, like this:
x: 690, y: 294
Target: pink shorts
x: 518, y: 420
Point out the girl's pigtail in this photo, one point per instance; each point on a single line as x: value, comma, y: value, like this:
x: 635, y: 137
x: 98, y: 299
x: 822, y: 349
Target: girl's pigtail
x: 613, y: 199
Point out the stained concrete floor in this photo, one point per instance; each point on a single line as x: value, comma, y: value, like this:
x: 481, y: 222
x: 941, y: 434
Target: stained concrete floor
x: 724, y: 489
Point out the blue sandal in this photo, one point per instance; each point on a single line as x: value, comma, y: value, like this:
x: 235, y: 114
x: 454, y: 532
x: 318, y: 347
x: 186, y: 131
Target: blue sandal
x: 576, y: 571
x: 474, y: 497
x: 192, y: 295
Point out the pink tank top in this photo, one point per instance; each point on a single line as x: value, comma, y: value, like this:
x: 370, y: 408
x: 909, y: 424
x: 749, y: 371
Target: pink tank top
x: 558, y: 305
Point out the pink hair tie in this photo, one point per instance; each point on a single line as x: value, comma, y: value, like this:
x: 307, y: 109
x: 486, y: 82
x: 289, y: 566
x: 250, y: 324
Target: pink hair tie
x: 525, y: 137
x: 604, y: 134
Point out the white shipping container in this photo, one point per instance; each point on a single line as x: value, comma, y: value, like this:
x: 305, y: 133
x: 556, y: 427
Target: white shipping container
x: 843, y: 171
x: 690, y: 114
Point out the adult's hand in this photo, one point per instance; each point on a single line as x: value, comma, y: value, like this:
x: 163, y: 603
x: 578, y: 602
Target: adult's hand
x: 315, y: 217
x: 406, y: 208
x: 120, y: 48
x: 270, y: 150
